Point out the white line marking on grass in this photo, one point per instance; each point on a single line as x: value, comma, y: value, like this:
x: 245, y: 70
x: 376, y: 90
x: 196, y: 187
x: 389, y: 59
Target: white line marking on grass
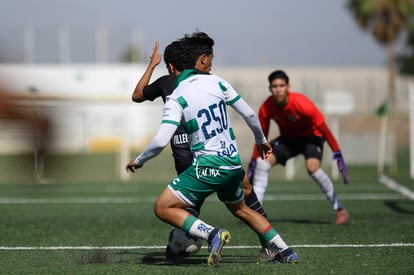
x: 227, y: 247
x: 317, y: 197
x: 395, y: 186
x: 106, y: 200
x: 85, y: 200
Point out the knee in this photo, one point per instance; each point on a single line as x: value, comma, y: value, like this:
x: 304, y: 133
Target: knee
x: 312, y: 166
x: 247, y: 186
x: 159, y: 210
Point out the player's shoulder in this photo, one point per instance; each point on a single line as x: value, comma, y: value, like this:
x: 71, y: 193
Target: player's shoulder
x: 221, y: 83
x: 297, y: 94
x: 165, y: 80
x: 209, y: 80
x: 208, y: 77
x: 161, y: 87
x: 219, y: 79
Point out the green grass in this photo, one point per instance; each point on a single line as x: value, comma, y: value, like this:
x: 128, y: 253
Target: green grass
x: 71, y: 215
x: 84, y: 205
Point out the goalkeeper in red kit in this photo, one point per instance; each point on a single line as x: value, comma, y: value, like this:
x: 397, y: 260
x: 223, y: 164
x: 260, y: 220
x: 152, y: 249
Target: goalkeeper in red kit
x: 303, y: 131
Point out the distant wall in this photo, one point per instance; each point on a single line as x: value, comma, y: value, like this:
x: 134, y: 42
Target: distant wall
x: 91, y: 105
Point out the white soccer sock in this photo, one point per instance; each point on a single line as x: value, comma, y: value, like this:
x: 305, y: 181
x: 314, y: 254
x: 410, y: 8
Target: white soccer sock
x: 278, y: 242
x: 201, y: 229
x: 327, y: 188
x: 261, y: 178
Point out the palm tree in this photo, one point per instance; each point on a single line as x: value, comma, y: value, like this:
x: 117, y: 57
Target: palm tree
x: 406, y: 61
x: 386, y: 19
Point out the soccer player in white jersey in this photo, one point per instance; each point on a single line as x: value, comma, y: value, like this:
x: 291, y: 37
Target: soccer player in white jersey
x: 199, y: 102
x: 183, y: 157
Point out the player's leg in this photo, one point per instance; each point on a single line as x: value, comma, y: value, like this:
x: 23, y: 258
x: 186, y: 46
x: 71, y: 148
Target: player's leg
x: 261, y: 176
x: 253, y: 203
x: 281, y: 152
x: 187, y: 191
x: 183, y: 159
x: 250, y: 197
x: 259, y: 224
x: 313, y: 155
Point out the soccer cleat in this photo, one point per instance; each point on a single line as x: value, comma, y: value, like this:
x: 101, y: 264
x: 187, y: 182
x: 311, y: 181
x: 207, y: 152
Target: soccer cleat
x: 267, y: 253
x: 216, y: 245
x: 287, y: 256
x: 341, y: 216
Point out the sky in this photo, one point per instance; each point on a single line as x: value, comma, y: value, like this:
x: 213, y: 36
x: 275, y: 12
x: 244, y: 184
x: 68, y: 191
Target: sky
x: 262, y: 32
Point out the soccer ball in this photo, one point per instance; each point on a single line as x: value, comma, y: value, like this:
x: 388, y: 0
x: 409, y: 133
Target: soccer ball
x: 182, y: 244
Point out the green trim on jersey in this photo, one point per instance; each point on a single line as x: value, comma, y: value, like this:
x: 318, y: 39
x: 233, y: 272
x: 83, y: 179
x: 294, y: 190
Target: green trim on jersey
x: 215, y: 161
x: 198, y: 146
x: 234, y: 100
x: 191, y: 126
x: 222, y: 87
x: 183, y: 103
x: 232, y: 135
x: 184, y: 75
x: 170, y: 122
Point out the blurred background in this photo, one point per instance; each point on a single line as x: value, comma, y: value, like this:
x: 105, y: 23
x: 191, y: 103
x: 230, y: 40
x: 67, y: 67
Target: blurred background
x: 75, y: 64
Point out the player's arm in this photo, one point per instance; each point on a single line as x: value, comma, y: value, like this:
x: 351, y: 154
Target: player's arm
x: 154, y: 148
x: 337, y: 154
x: 171, y: 117
x: 310, y: 111
x: 155, y: 59
x: 327, y: 134
x: 318, y: 120
x: 264, y: 124
x: 251, y: 119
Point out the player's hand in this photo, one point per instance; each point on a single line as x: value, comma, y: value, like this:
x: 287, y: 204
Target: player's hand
x: 340, y: 162
x: 250, y: 170
x: 155, y: 58
x: 132, y: 166
x: 264, y: 150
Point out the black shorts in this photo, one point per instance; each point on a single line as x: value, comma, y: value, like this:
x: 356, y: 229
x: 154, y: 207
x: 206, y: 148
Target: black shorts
x: 182, y: 163
x: 285, y: 148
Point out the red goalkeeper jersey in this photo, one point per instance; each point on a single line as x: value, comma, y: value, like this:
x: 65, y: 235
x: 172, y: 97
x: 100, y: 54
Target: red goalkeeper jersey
x: 298, y: 118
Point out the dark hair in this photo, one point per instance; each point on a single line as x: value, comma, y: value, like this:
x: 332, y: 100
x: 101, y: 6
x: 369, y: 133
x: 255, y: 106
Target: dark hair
x: 278, y: 74
x: 176, y: 54
x: 198, y: 43
x: 183, y: 53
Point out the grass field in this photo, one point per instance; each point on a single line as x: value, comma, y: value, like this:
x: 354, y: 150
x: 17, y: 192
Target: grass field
x: 108, y: 227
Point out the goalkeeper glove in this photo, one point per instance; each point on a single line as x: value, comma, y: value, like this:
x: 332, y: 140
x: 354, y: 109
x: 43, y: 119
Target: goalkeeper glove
x: 340, y: 162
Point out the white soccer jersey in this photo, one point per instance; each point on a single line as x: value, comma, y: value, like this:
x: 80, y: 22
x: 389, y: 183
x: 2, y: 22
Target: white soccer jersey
x: 199, y: 103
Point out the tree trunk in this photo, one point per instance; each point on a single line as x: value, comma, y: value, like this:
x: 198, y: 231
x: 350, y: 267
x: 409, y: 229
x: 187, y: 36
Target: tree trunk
x: 388, y: 120
x: 391, y: 77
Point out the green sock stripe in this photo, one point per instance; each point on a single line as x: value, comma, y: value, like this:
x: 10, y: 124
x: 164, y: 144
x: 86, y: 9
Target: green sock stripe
x: 188, y: 222
x: 269, y: 235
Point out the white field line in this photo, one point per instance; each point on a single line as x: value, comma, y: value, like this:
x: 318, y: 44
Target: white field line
x: 106, y: 200
x: 226, y: 247
x: 390, y: 183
